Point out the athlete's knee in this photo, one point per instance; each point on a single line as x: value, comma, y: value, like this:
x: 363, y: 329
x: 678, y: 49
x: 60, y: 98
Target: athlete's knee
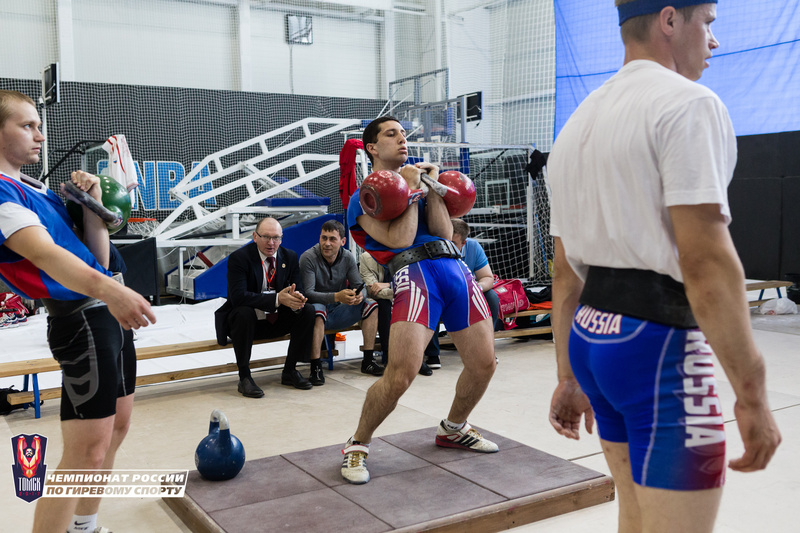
x: 398, y: 380
x: 371, y: 320
x: 122, y: 423
x: 91, y: 453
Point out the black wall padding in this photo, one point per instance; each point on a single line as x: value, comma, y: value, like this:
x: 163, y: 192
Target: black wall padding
x: 774, y: 154
x: 142, y: 273
x: 756, y: 211
x: 790, y: 252
x: 765, y: 204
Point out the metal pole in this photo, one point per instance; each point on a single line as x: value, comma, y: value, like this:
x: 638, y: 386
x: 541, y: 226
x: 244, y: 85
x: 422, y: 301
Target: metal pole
x: 463, y: 119
x: 45, y: 162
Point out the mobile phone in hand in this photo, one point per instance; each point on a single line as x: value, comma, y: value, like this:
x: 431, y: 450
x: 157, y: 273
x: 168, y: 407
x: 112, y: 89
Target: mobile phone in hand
x: 359, y: 289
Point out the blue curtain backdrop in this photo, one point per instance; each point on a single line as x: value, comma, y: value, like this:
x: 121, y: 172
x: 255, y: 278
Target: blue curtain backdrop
x: 755, y: 71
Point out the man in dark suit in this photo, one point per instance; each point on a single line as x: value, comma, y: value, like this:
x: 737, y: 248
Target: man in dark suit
x: 265, y: 301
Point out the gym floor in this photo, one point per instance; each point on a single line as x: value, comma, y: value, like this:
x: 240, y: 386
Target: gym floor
x: 170, y: 419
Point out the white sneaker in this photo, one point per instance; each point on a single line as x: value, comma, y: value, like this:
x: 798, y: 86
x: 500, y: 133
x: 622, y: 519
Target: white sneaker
x: 8, y: 320
x: 354, y: 464
x: 465, y: 438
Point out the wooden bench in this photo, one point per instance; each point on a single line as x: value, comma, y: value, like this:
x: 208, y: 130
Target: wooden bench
x: 516, y: 332
x: 32, y: 368
x: 764, y: 285
x: 508, y: 333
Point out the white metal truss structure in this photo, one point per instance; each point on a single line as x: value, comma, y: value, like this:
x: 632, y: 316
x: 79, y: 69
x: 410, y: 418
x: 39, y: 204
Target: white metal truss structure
x: 169, y: 231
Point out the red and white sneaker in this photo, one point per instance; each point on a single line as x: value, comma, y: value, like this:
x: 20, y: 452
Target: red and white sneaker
x: 354, y: 464
x: 8, y: 320
x: 465, y: 438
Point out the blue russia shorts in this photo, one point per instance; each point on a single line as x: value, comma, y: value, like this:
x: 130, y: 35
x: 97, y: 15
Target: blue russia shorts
x: 652, y: 386
x: 434, y: 289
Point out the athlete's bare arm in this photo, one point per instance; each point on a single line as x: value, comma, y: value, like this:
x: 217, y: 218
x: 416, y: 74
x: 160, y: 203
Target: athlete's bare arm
x: 395, y: 233
x: 569, y: 402
x: 35, y: 244
x: 715, y: 285
x: 436, y: 215
x: 95, y: 232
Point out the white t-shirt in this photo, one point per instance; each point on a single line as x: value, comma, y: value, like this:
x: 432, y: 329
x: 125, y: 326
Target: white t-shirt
x: 646, y: 140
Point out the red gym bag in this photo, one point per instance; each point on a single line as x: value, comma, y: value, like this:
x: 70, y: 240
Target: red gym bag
x: 512, y: 298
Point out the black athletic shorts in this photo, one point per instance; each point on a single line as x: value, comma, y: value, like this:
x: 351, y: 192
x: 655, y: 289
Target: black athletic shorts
x: 97, y: 359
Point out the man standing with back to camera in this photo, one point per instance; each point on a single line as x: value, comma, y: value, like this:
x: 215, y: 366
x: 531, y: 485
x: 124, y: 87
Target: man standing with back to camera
x: 429, y: 282
x: 647, y: 278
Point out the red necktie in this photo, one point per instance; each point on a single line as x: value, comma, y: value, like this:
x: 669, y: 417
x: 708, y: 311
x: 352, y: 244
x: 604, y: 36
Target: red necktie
x: 271, y: 317
x: 271, y: 272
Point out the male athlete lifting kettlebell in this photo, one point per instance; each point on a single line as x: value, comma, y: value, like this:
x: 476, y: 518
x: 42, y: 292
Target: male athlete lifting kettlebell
x: 42, y: 258
x: 429, y: 281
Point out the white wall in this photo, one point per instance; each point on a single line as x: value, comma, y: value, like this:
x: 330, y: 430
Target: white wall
x: 344, y: 59
x: 195, y: 43
x: 502, y: 48
x: 27, y: 38
x: 158, y: 42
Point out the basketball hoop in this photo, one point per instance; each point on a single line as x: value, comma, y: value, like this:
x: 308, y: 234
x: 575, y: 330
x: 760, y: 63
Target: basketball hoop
x: 142, y: 226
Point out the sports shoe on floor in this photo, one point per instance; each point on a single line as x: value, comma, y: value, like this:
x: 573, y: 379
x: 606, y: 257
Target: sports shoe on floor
x: 425, y: 370
x: 465, y: 438
x: 8, y: 320
x: 101, y: 530
x: 316, y: 378
x: 433, y: 362
x: 354, y: 464
x: 373, y: 368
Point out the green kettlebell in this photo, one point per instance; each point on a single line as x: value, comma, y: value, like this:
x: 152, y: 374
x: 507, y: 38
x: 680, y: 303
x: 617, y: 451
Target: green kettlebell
x: 115, y: 198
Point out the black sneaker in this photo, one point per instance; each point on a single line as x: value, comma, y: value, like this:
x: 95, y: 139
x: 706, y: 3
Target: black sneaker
x: 371, y: 367
x: 249, y: 388
x: 425, y: 370
x: 433, y: 362
x: 294, y: 379
x: 316, y: 377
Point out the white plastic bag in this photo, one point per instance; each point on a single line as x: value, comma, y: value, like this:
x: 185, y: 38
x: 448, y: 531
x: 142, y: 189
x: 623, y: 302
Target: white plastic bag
x: 778, y: 306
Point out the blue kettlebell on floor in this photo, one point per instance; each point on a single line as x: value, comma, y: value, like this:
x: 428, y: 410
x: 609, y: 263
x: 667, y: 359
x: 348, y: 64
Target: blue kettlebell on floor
x: 220, y: 455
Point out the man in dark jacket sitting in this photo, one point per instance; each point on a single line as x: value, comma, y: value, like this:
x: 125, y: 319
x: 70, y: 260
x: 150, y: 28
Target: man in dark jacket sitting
x: 265, y: 301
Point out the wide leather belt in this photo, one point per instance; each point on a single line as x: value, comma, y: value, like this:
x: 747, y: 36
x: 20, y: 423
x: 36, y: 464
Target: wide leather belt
x: 59, y: 308
x: 430, y: 250
x: 642, y: 294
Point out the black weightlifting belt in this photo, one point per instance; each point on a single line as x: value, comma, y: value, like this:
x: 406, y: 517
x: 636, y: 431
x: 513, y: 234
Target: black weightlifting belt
x: 641, y: 294
x: 430, y: 250
x: 59, y: 308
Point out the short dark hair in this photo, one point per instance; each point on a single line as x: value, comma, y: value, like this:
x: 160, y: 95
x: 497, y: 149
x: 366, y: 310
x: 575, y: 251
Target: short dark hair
x: 333, y: 225
x: 460, y: 227
x: 370, y: 135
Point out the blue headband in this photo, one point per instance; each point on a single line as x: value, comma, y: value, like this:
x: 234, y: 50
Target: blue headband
x: 645, y: 7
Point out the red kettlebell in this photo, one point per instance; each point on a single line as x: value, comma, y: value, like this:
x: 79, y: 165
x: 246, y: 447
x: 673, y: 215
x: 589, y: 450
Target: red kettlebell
x: 457, y: 190
x: 384, y: 195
